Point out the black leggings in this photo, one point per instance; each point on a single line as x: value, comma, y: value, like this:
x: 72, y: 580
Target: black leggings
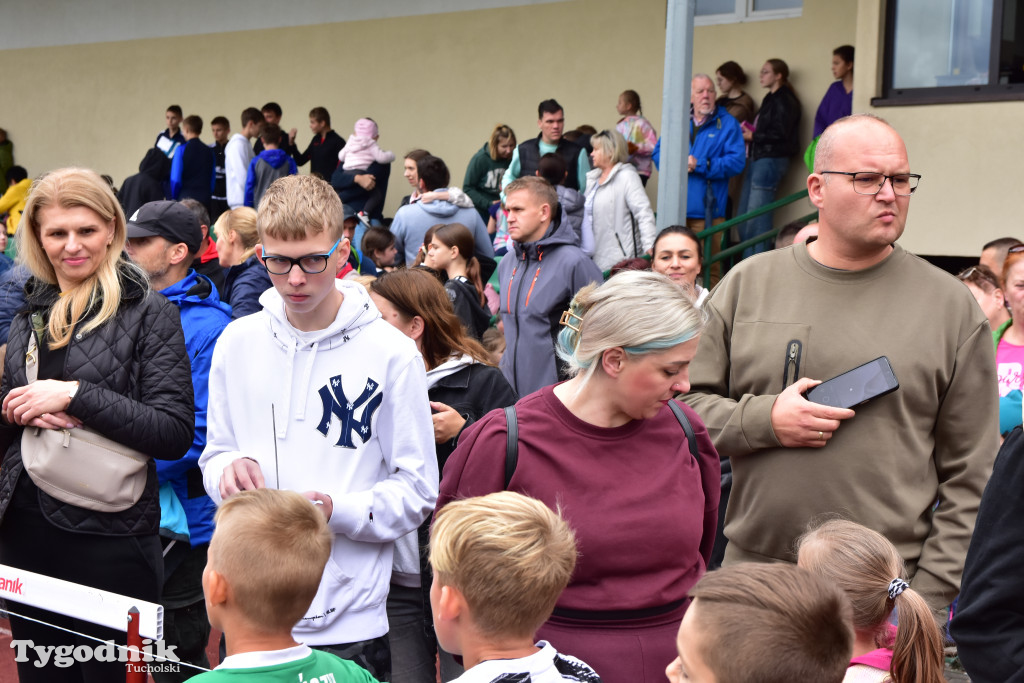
x: 128, y: 565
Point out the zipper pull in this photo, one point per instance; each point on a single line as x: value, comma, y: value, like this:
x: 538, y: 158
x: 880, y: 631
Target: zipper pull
x: 792, y: 370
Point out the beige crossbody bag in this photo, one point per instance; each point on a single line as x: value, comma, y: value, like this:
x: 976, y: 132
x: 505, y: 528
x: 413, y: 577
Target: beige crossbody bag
x: 79, y: 466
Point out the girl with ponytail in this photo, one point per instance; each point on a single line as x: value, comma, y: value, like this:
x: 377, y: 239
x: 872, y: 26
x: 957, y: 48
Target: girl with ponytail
x: 451, y: 250
x: 869, y: 569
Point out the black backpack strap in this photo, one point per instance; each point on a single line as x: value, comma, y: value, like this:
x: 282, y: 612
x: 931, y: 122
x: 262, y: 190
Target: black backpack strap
x: 684, y: 422
x: 512, y: 443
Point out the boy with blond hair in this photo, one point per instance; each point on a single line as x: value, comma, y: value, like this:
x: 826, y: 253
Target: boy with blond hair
x: 500, y: 562
x: 318, y: 394
x: 764, y: 623
x: 262, y: 571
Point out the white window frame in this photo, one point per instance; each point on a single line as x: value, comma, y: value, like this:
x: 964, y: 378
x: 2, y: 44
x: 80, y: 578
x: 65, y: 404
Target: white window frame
x: 745, y: 12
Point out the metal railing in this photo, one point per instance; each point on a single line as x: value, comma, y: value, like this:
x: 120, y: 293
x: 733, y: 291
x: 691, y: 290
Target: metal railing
x: 727, y: 255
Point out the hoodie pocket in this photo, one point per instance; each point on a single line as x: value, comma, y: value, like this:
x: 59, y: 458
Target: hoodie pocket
x: 354, y: 579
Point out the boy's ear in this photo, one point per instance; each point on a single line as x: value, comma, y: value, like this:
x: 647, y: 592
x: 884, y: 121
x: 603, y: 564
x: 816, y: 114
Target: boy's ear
x: 452, y: 603
x: 217, y: 589
x: 259, y: 251
x: 344, y: 250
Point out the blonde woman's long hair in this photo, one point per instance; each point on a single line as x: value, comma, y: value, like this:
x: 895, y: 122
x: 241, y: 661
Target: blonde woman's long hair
x: 70, y: 188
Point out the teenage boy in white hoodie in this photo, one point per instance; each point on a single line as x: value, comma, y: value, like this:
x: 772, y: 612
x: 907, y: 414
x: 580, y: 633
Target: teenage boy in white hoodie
x: 238, y: 155
x: 318, y: 394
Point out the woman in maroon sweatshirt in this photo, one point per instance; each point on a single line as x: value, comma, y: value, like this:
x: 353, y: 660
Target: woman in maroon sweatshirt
x: 606, y: 449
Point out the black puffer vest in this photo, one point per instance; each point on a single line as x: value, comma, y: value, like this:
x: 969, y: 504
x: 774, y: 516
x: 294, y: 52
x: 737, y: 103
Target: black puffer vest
x: 529, y: 159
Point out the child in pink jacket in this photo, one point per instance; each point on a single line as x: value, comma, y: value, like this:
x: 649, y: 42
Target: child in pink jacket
x: 361, y: 149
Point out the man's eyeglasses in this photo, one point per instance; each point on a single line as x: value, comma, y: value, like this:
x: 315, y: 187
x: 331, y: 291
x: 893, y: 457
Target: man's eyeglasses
x: 867, y: 182
x: 311, y: 264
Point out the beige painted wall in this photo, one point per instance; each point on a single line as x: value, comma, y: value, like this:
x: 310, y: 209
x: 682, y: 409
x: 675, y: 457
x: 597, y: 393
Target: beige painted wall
x: 805, y: 43
x: 438, y: 81
x: 441, y: 81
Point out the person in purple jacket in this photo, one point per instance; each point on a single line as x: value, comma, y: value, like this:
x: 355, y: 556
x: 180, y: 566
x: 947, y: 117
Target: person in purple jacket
x: 611, y: 449
x: 838, y: 99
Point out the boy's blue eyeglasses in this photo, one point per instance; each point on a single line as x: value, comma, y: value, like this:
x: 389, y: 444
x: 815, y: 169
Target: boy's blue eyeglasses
x: 312, y: 264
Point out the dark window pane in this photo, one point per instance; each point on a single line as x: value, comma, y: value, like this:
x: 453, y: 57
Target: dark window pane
x: 1011, y: 45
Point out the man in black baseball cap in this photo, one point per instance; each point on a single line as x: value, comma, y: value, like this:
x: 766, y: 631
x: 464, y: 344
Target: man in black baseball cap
x: 158, y: 228
x: 163, y: 239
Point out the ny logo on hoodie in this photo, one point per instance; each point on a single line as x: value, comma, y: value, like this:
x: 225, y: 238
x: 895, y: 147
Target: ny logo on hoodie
x: 336, y: 404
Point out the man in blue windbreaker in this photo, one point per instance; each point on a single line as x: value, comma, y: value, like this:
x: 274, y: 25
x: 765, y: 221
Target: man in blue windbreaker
x: 164, y: 238
x: 717, y: 153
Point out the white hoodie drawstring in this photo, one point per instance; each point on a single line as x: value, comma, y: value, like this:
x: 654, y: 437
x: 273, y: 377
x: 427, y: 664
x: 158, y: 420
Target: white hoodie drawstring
x: 282, y: 425
x: 301, y: 414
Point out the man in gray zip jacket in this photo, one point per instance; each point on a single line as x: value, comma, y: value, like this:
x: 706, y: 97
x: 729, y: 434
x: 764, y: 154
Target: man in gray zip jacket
x: 538, y: 280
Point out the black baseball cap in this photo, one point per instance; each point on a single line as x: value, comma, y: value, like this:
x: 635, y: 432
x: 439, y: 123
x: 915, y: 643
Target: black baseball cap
x: 171, y: 220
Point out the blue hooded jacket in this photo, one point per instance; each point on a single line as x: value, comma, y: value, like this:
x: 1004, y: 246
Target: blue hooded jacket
x: 264, y: 169
x: 721, y: 153
x: 718, y: 147
x: 203, y: 317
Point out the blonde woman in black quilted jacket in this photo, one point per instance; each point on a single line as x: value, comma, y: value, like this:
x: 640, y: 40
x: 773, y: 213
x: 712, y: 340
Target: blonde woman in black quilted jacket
x: 111, y: 357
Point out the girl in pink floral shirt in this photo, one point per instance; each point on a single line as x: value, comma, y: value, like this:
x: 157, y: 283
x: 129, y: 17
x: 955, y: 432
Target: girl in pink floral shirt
x: 638, y: 131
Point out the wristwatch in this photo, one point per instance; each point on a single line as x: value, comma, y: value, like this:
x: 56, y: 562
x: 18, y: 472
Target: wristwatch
x: 73, y: 390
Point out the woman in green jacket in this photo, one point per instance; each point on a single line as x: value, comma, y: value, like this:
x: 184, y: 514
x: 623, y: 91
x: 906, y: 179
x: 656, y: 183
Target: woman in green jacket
x: 483, y: 175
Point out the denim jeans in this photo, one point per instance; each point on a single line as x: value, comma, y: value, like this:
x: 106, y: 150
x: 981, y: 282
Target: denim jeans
x: 412, y: 649
x: 763, y: 178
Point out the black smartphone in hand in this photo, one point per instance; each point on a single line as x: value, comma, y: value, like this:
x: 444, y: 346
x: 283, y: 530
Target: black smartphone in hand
x: 854, y: 387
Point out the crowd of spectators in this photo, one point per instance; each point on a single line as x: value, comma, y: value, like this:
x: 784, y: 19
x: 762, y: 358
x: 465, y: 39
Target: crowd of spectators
x: 528, y: 364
